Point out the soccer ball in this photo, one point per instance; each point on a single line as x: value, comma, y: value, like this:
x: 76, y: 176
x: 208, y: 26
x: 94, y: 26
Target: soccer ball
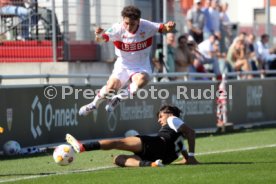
x: 11, y: 148
x: 64, y: 154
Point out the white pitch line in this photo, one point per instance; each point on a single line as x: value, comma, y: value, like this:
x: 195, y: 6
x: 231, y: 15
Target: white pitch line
x: 108, y: 167
x: 238, y: 149
x: 57, y: 173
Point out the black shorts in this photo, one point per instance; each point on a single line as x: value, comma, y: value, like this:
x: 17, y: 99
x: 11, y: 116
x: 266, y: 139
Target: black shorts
x: 154, y: 148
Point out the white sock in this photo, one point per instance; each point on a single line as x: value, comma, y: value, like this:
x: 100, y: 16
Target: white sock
x: 100, y: 97
x: 124, y: 94
x: 133, y: 88
x: 127, y: 93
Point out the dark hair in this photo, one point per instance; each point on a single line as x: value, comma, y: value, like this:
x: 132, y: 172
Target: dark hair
x: 169, y: 109
x: 182, y: 37
x: 243, y: 33
x: 131, y: 12
x: 264, y: 36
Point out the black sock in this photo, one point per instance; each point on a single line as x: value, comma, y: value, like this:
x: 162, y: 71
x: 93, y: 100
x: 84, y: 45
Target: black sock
x: 95, y: 145
x: 144, y: 163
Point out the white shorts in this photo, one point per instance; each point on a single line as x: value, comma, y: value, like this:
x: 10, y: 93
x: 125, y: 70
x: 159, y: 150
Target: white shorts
x: 124, y: 73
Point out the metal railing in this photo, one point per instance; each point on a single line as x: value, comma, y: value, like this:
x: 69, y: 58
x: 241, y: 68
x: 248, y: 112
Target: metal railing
x: 47, y: 77
x: 88, y: 78
x: 239, y: 75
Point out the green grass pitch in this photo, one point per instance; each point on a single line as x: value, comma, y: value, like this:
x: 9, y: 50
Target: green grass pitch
x: 247, y: 157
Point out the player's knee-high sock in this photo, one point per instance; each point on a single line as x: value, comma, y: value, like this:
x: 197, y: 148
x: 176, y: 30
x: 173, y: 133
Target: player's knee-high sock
x: 100, y: 96
x: 95, y: 145
x: 133, y: 88
x: 129, y: 92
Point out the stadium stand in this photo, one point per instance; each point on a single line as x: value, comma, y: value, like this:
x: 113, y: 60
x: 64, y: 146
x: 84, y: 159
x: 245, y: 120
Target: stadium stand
x: 29, y: 51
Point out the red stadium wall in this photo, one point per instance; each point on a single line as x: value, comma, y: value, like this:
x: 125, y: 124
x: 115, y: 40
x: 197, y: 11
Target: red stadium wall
x: 42, y: 51
x: 29, y: 51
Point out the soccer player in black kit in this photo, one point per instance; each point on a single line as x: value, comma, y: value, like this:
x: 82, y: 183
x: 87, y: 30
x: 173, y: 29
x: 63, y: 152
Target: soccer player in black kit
x: 153, y: 151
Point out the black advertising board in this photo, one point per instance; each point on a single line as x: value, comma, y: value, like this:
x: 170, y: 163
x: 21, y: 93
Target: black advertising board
x: 30, y: 117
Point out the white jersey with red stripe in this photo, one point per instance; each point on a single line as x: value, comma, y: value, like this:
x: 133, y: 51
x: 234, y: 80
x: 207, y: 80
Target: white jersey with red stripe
x: 133, y: 49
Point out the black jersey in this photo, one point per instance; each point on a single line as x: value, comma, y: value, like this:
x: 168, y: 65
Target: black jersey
x: 165, y: 146
x: 168, y: 134
x: 174, y: 141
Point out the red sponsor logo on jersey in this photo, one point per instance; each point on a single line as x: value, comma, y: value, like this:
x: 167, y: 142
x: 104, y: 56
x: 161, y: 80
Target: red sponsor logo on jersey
x: 129, y: 47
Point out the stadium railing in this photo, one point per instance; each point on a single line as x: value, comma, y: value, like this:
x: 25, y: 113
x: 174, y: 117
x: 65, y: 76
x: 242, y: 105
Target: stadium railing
x: 87, y: 78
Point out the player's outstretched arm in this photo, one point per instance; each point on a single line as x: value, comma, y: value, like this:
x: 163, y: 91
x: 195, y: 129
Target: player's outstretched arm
x: 100, y: 37
x: 169, y: 27
x: 190, y: 135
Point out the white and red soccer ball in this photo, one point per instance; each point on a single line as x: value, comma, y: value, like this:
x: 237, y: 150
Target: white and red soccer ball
x: 64, y: 154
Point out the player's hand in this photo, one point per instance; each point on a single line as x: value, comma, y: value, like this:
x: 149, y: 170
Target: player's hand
x: 192, y: 161
x: 170, y: 26
x: 98, y: 30
x: 182, y: 161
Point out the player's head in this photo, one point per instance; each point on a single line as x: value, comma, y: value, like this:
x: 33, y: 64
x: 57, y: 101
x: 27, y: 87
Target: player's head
x: 169, y: 109
x: 131, y: 18
x: 131, y: 12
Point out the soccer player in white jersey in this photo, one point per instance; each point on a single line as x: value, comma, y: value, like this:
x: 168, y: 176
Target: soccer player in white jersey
x: 133, y: 40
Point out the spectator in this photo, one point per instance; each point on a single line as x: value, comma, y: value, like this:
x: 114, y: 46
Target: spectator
x: 215, y: 17
x: 15, y: 8
x: 212, y: 19
x: 223, y: 13
x: 267, y: 56
x: 223, y: 66
x: 158, y: 61
x: 198, y: 58
x: 170, y: 63
x: 242, y: 35
x: 45, y: 16
x: 237, y: 57
x: 208, y: 28
x: 195, y: 22
x: 251, y: 49
x: 206, y: 48
x: 224, y: 27
x: 183, y: 56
